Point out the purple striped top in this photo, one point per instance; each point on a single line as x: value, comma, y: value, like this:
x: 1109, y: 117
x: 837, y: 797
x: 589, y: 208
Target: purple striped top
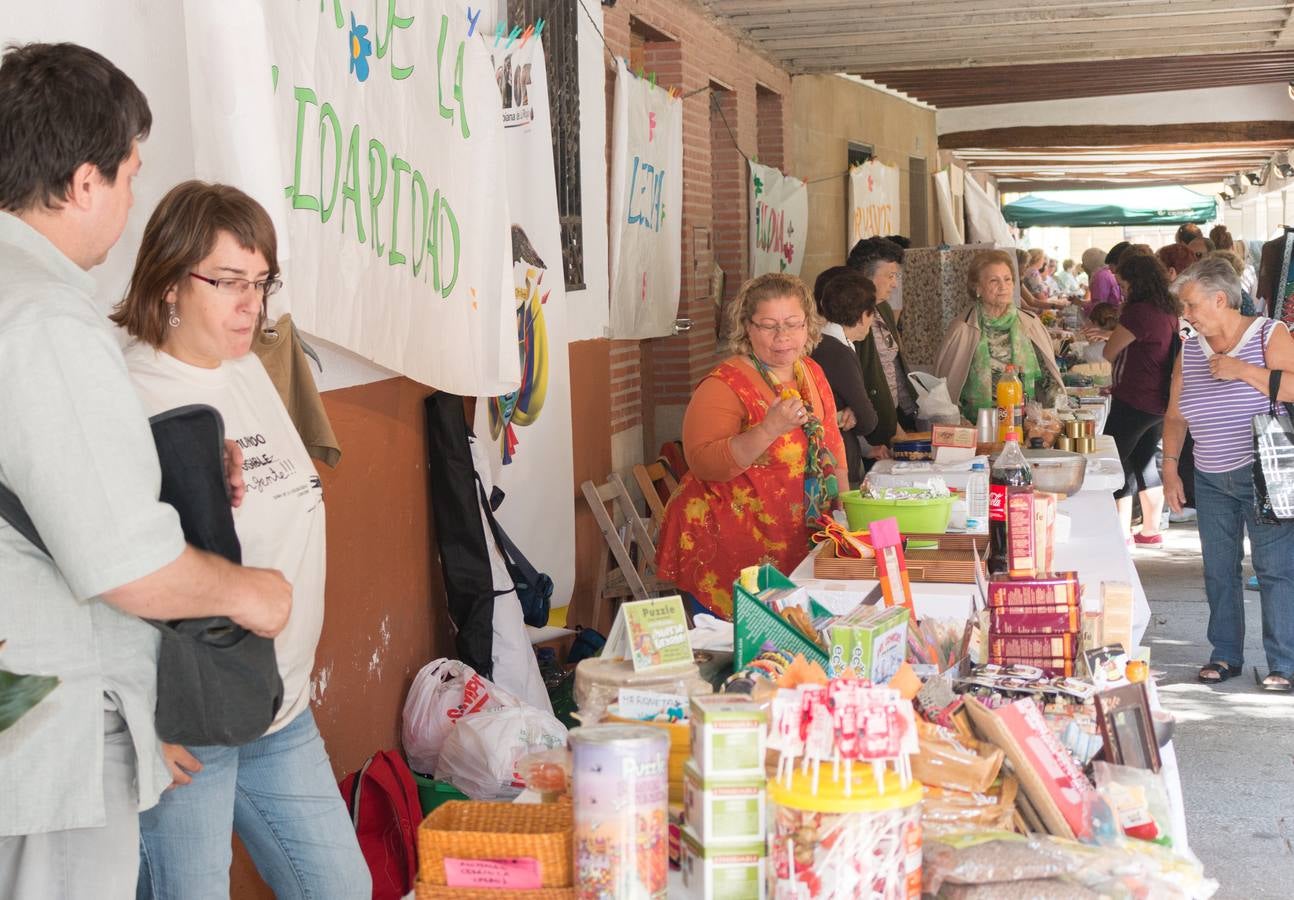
x: 1219, y: 413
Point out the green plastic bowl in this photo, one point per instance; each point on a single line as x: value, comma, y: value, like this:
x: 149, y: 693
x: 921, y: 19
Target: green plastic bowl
x: 915, y: 516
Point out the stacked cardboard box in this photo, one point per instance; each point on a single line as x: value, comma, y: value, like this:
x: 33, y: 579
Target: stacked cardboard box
x: 1035, y: 622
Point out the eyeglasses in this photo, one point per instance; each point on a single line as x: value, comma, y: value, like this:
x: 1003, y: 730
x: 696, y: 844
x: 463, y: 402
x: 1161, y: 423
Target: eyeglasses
x: 773, y: 329
x: 238, y: 286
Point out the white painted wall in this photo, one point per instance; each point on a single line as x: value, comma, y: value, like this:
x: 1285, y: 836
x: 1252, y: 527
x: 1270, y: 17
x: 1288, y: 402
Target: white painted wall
x: 1243, y: 103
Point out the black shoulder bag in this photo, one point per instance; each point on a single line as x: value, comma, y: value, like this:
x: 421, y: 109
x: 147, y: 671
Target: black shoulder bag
x: 534, y: 588
x: 217, y: 683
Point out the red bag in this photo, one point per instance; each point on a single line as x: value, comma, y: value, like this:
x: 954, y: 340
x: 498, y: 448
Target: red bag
x: 383, y: 801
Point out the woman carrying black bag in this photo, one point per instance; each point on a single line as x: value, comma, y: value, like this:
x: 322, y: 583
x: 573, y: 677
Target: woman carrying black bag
x: 1219, y: 386
x: 196, y: 299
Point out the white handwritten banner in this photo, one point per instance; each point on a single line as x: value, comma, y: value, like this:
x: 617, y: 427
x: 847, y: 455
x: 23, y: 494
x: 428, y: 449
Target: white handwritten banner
x: 388, y: 125
x: 779, y: 221
x: 530, y: 428
x: 873, y: 201
x: 646, y: 208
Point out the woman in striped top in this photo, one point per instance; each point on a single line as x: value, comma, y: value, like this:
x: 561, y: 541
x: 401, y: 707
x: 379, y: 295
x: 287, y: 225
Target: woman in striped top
x: 1219, y: 384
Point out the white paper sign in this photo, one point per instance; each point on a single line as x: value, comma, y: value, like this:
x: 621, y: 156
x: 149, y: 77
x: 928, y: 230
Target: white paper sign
x: 779, y: 221
x: 389, y: 128
x: 646, y: 208
x: 873, y: 201
x: 529, y: 430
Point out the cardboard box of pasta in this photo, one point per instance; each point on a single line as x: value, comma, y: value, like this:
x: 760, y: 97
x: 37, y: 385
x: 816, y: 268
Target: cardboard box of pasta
x: 1026, y: 646
x: 1006, y: 620
x: 1058, y: 591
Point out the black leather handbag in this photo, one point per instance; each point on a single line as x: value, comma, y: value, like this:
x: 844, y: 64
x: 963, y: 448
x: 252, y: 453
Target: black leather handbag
x: 217, y: 683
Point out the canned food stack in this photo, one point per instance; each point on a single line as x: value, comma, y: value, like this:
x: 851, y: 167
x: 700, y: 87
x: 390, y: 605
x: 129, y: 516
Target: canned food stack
x: 725, y: 806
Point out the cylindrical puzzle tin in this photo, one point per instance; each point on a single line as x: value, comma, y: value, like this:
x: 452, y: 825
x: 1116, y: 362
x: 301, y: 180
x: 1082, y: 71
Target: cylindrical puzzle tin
x: 621, y: 822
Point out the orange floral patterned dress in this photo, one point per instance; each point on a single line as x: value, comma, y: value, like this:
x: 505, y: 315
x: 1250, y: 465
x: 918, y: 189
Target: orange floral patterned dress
x: 713, y: 529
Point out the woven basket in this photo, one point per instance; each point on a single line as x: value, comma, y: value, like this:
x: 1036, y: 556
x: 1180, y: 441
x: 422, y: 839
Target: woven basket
x: 437, y: 892
x: 468, y: 829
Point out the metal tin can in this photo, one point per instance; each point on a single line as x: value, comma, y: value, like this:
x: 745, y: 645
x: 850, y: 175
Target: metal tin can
x: 1073, y: 429
x: 619, y: 787
x: 1064, y: 442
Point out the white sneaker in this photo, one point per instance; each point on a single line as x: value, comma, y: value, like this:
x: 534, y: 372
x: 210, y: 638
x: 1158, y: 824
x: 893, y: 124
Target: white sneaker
x: 1186, y: 515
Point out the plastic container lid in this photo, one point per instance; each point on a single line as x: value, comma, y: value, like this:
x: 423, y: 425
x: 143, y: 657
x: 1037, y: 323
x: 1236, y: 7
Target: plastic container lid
x: 830, y: 796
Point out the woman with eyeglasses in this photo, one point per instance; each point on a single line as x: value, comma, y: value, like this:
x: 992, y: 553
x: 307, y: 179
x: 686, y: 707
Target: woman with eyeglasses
x: 993, y: 334
x: 765, y: 457
x: 197, y: 296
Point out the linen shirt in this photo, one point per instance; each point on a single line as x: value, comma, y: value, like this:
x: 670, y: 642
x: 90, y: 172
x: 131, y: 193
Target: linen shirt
x: 76, y: 448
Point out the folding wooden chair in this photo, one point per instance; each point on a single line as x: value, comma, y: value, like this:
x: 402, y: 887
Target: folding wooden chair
x: 652, y: 481
x: 627, y: 566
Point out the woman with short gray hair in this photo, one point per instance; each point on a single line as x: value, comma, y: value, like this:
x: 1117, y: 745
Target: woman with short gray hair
x: 1219, y: 384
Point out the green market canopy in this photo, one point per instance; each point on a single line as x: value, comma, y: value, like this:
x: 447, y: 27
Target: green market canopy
x: 1128, y: 206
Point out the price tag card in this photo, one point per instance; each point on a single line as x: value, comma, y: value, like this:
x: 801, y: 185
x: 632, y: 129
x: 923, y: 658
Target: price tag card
x: 499, y: 874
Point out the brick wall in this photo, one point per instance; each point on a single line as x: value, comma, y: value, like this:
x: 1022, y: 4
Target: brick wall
x: 651, y: 381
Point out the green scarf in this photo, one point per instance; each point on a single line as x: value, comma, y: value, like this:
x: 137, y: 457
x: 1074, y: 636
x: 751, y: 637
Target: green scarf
x: 1002, y: 342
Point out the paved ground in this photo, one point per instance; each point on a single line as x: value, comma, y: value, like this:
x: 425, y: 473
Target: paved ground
x: 1235, y: 743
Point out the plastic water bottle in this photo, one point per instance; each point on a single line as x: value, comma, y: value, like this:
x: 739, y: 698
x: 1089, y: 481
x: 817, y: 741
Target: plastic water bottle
x: 977, y: 498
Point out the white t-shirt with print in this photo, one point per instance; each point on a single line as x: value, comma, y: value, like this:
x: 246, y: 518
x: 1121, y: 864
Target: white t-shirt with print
x: 280, y: 523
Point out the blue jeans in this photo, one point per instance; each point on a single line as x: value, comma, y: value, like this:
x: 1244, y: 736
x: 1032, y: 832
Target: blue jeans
x: 278, y: 793
x: 1225, y: 502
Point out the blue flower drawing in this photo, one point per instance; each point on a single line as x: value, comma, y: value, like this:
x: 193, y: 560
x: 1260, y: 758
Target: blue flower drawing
x: 361, y: 48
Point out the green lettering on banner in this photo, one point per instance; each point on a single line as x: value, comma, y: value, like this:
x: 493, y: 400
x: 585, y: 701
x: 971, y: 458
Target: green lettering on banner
x: 338, y: 19
x: 398, y: 73
x: 304, y: 97
x: 398, y: 167
x: 458, y: 91
x: 445, y: 111
x: 440, y: 209
x: 419, y: 187
x: 350, y: 189
x: 376, y: 166
x: 327, y: 115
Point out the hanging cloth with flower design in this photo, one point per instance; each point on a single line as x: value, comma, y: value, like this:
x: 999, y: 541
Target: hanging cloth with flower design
x: 820, y: 485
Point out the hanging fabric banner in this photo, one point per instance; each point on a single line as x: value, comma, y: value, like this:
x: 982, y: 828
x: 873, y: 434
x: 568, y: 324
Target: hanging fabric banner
x: 949, y: 220
x: 646, y: 208
x: 779, y: 221
x: 873, y: 201
x: 985, y: 223
x: 530, y: 428
x: 388, y: 129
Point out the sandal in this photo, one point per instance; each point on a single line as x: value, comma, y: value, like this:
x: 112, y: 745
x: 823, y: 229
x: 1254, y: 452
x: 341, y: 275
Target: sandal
x: 1277, y: 682
x: 1218, y: 672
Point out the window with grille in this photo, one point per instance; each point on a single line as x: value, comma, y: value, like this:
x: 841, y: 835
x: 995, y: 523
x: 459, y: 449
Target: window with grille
x: 561, y: 57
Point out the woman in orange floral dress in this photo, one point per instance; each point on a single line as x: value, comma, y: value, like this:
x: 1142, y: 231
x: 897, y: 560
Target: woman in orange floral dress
x: 762, y: 448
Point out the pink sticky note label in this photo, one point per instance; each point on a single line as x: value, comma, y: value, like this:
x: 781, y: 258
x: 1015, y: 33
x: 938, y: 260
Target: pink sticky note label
x: 509, y: 874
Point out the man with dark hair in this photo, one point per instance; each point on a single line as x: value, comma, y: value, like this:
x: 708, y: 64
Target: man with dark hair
x: 76, y: 452
x: 880, y: 353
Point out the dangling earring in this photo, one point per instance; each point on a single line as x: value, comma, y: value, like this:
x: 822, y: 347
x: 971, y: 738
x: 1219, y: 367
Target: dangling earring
x: 174, y: 318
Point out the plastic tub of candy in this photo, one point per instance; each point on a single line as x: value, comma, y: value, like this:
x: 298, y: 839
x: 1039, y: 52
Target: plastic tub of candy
x: 832, y: 844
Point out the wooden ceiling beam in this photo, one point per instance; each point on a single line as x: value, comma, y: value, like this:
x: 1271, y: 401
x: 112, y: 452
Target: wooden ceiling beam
x: 1120, y: 135
x: 868, y: 60
x: 832, y: 35
x: 741, y: 13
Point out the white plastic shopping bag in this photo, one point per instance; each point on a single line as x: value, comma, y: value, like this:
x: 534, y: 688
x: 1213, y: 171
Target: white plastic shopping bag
x: 443, y: 692
x: 933, y: 402
x: 481, y: 752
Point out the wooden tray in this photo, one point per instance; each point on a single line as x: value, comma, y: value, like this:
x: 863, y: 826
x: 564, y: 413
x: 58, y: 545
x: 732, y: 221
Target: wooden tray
x: 946, y: 565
